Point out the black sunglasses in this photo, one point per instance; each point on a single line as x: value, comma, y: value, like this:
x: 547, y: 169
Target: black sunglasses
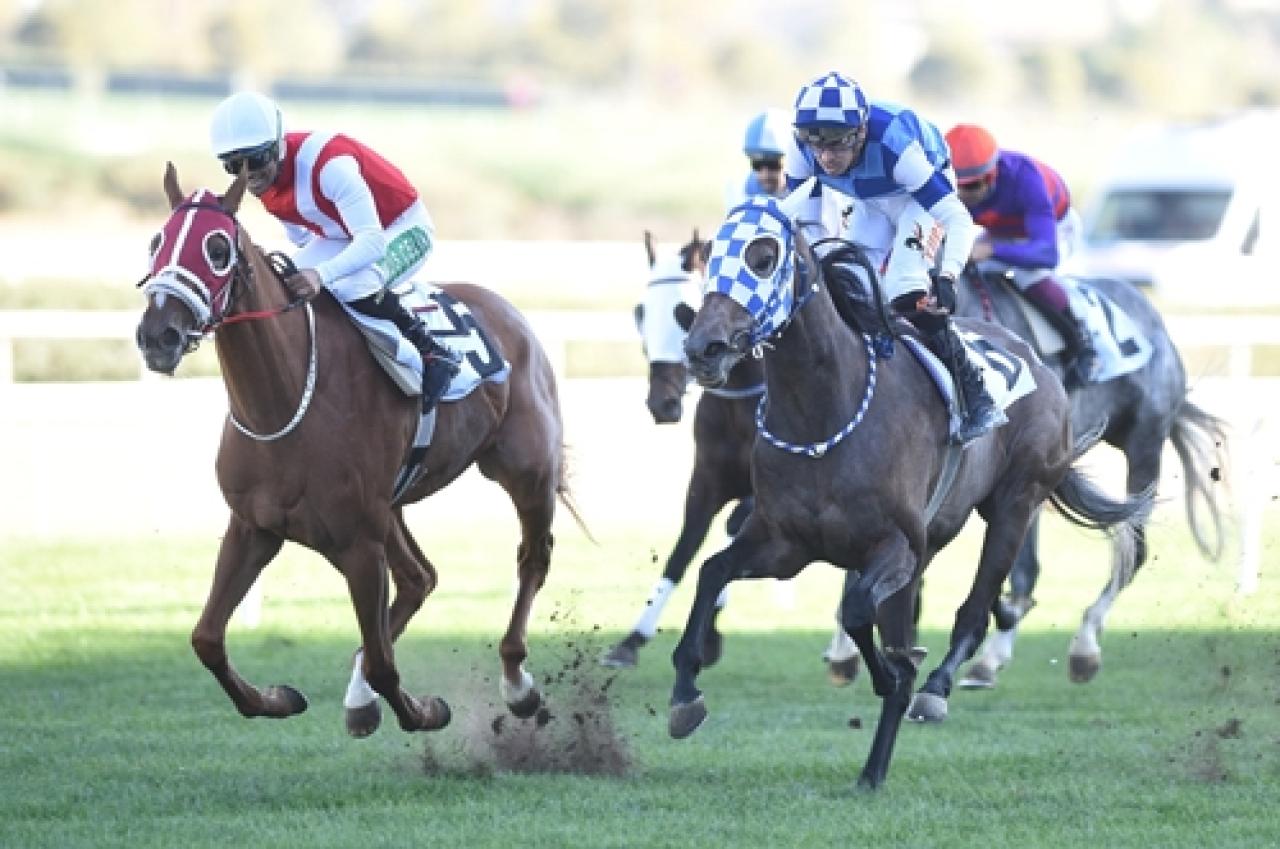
x: 827, y: 137
x: 253, y: 159
x: 766, y: 165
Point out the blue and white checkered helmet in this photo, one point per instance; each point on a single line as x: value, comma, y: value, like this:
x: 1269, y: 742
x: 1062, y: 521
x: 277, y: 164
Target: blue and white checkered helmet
x: 769, y: 300
x: 832, y: 100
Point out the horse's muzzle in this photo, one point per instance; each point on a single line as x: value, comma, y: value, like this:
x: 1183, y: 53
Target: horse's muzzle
x: 162, y: 349
x: 711, y: 362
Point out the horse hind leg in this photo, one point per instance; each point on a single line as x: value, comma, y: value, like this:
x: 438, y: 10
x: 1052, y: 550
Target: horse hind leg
x: 1128, y: 555
x: 534, y: 496
x: 1006, y: 613
x: 244, y: 552
x: 414, y: 578
x: 364, y: 564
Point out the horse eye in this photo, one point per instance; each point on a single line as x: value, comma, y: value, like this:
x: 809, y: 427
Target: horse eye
x: 762, y: 257
x: 218, y: 248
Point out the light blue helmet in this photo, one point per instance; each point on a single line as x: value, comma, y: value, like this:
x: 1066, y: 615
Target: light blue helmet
x: 832, y: 100
x: 764, y: 135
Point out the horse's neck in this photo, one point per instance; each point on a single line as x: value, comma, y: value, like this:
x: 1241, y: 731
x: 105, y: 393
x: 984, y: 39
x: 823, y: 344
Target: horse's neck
x: 264, y: 361
x: 816, y: 355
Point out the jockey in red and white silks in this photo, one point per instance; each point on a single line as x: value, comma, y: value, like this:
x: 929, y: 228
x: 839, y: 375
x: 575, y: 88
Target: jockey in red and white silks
x: 343, y: 205
x: 359, y: 222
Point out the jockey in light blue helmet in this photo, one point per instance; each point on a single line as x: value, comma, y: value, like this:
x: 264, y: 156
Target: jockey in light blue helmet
x: 764, y: 144
x: 906, y: 216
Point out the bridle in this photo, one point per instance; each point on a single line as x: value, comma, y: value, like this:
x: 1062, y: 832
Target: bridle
x: 213, y: 311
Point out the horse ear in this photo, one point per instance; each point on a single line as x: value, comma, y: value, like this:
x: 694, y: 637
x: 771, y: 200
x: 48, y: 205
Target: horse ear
x: 793, y: 204
x: 231, y: 200
x: 171, y: 190
x: 648, y: 247
x: 685, y: 315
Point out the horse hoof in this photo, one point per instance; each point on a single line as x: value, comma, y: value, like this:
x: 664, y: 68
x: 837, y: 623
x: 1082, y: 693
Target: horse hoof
x: 841, y: 673
x: 1083, y: 667
x: 440, y: 714
x: 363, y: 721
x: 621, y: 656
x: 979, y: 676
x: 281, y: 700
x: 685, y: 719
x: 712, y: 648
x: 927, y: 707
x: 526, y: 706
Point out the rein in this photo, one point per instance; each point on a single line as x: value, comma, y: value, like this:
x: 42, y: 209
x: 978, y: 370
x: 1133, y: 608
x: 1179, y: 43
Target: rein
x: 820, y: 448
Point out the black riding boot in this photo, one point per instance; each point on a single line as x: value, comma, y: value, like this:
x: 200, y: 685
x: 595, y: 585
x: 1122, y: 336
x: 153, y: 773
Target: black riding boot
x: 1083, y: 356
x: 979, y: 414
x: 439, y: 364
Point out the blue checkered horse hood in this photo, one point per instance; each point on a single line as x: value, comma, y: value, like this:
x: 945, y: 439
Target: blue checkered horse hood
x: 769, y: 300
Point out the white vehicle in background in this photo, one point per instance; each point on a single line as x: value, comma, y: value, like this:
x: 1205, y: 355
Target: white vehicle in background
x: 1191, y: 212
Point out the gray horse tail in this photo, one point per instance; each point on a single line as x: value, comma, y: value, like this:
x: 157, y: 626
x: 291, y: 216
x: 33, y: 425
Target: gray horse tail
x: 1200, y: 439
x: 1082, y: 503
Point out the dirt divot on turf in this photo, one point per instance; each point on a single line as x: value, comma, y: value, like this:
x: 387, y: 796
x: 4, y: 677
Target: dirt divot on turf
x: 573, y: 732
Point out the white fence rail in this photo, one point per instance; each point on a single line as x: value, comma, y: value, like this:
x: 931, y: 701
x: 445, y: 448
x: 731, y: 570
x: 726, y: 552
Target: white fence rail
x: 557, y: 329
x: 1250, y: 405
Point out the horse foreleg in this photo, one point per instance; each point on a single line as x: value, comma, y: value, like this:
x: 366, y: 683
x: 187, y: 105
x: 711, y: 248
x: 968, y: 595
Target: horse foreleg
x: 244, y: 552
x: 999, y: 546
x: 365, y: 568
x: 752, y: 554
x: 414, y: 578
x: 702, y: 501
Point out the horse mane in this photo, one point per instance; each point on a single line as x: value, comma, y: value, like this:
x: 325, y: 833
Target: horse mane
x: 861, y: 309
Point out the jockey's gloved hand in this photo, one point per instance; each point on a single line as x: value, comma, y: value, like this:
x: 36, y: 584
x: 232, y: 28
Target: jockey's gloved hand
x: 944, y: 290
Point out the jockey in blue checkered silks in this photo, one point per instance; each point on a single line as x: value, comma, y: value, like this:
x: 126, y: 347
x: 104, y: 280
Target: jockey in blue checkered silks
x: 906, y: 214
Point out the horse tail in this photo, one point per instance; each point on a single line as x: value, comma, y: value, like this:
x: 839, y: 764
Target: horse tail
x: 1200, y: 438
x: 1082, y: 503
x: 565, y: 494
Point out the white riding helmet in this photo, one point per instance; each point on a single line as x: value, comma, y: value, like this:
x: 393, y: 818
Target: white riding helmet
x: 244, y: 121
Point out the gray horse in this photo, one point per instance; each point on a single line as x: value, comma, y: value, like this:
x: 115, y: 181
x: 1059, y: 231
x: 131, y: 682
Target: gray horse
x: 853, y: 446
x: 1137, y: 413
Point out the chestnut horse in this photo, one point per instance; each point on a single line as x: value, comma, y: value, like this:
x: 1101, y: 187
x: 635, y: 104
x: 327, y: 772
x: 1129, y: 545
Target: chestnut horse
x: 315, y: 436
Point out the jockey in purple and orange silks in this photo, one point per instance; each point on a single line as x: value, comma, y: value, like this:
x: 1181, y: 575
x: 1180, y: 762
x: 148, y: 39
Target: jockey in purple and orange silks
x: 357, y: 220
x: 1030, y: 228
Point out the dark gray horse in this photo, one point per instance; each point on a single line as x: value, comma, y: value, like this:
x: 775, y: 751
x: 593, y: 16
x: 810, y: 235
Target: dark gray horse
x: 852, y: 448
x: 1136, y: 413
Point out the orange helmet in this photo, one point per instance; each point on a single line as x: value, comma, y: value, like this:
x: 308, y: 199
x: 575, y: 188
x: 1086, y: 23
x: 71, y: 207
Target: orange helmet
x: 973, y: 151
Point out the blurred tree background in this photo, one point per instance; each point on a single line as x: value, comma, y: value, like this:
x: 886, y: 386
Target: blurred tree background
x: 587, y: 118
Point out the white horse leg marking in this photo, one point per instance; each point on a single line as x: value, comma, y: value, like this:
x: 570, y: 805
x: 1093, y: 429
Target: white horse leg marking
x: 1085, y: 642
x: 842, y: 647
x: 359, y: 693
x: 647, y: 625
x: 513, y: 695
x: 998, y: 650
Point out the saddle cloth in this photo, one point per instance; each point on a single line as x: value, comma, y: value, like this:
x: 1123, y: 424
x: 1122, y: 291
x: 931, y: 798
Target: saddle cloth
x: 1121, y: 345
x: 451, y: 322
x: 1004, y: 374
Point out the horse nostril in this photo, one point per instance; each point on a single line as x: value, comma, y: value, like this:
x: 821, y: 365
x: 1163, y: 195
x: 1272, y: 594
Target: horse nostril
x: 170, y: 338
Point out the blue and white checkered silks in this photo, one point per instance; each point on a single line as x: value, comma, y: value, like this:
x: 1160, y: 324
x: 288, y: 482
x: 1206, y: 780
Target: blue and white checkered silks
x: 831, y: 100
x: 769, y: 301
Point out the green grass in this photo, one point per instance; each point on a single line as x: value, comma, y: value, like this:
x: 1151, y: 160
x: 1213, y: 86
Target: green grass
x: 113, y: 734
